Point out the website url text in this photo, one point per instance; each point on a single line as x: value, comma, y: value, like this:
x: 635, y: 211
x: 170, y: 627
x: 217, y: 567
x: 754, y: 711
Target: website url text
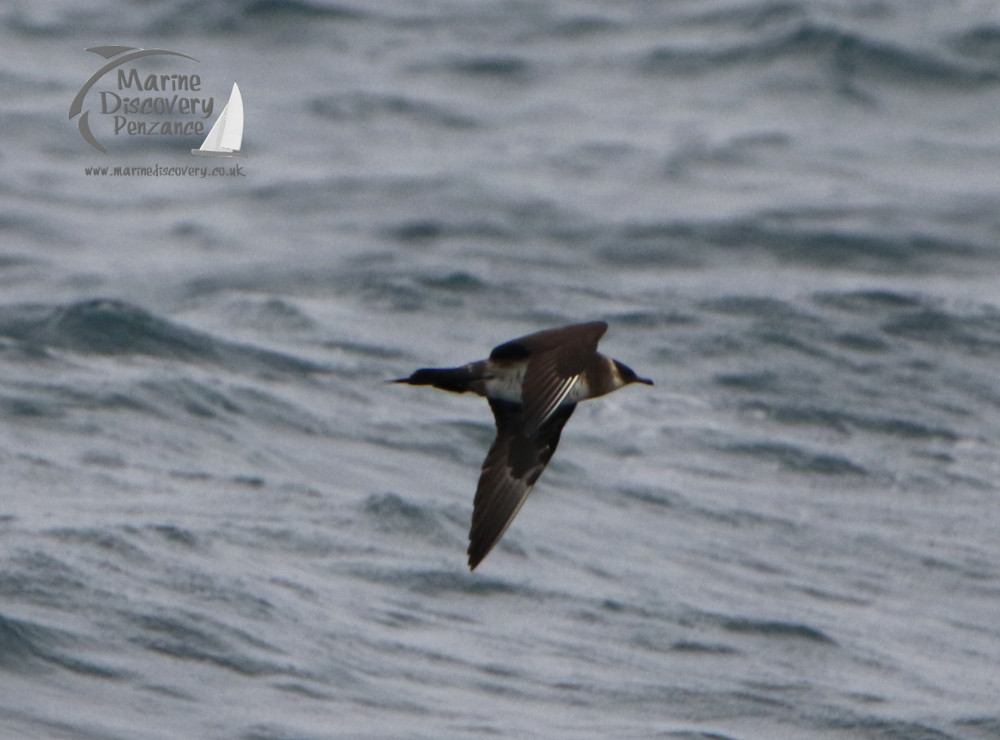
x: 160, y: 171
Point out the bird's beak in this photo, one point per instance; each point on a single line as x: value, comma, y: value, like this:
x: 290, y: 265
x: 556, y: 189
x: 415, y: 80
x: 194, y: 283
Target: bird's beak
x: 647, y: 381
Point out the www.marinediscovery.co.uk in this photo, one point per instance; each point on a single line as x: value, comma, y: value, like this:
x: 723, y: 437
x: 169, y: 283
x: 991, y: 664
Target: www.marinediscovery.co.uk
x: 157, y: 170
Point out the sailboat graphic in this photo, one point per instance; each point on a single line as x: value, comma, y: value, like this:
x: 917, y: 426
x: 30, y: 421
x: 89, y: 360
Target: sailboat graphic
x: 226, y: 136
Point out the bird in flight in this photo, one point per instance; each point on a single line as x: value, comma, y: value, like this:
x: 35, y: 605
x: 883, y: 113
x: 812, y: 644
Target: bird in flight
x: 533, y: 384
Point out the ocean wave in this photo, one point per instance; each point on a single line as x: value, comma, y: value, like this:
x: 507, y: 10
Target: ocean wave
x: 225, y: 493
x: 440, y: 582
x: 364, y: 106
x: 776, y: 629
x: 845, y: 55
x: 113, y: 327
x: 801, y: 241
x: 976, y: 335
x: 300, y: 8
x: 198, y: 637
x: 972, y: 330
x: 796, y: 458
x: 391, y: 513
x: 506, y: 67
x: 27, y: 646
x: 876, y: 385
x: 981, y: 42
x: 176, y: 16
x: 844, y: 422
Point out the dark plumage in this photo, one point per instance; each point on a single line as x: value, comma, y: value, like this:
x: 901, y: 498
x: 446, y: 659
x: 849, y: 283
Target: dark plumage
x: 533, y: 384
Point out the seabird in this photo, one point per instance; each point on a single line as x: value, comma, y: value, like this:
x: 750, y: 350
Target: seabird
x: 533, y: 384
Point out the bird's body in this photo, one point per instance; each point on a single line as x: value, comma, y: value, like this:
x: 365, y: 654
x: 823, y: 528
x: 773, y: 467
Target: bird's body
x: 533, y: 384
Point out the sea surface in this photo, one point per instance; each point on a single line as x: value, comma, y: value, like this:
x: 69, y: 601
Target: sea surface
x: 218, y: 522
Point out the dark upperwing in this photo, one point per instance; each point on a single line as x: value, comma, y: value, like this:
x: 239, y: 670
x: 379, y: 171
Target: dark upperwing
x: 512, y: 466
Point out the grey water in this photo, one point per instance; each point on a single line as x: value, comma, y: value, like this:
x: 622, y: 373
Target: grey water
x: 217, y: 521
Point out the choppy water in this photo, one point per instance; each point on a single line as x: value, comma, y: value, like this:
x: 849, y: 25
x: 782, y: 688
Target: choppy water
x: 218, y: 522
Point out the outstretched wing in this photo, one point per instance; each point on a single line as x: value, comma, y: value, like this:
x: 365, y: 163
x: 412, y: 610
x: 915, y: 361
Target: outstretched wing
x: 556, y: 359
x: 512, y: 466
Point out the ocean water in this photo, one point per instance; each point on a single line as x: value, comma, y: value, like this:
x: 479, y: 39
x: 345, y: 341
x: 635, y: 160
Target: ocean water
x: 219, y: 522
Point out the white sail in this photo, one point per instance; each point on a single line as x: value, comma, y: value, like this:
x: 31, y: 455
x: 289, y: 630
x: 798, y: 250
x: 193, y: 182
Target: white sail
x: 226, y: 135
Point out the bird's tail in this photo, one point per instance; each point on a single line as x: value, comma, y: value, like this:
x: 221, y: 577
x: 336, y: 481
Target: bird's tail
x: 454, y: 379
